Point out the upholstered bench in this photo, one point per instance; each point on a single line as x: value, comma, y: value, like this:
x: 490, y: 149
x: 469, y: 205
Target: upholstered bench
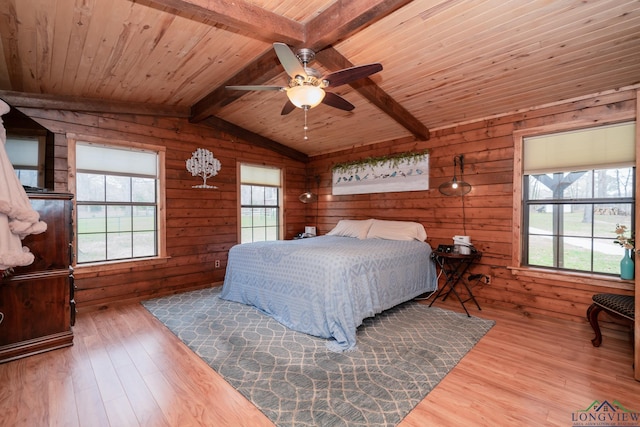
x: 619, y: 305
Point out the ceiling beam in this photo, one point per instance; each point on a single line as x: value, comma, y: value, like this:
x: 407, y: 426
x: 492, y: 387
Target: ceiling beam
x: 340, y: 20
x: 243, y: 16
x: 332, y: 59
x: 255, y: 139
x: 344, y: 18
x: 263, y: 69
x: 90, y: 105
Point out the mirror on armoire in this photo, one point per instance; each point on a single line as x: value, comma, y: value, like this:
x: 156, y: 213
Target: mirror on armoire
x: 29, y: 147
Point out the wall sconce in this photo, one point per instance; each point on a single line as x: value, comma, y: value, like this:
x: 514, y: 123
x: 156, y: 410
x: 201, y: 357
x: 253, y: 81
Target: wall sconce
x: 309, y: 196
x: 455, y: 187
x: 202, y: 163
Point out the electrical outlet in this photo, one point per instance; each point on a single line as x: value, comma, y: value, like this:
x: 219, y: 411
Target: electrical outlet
x: 487, y: 279
x: 216, y: 263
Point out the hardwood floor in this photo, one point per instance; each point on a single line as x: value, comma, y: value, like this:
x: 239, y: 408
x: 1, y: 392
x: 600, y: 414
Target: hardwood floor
x: 127, y: 369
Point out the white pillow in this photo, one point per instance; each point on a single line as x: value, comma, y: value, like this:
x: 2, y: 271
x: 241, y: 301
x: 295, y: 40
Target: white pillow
x: 397, y: 230
x: 351, y: 228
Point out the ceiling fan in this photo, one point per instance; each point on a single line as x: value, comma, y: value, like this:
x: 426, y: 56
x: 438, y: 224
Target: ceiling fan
x: 306, y: 87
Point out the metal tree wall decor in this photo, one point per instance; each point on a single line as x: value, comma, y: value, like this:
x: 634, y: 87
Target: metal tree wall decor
x: 202, y: 163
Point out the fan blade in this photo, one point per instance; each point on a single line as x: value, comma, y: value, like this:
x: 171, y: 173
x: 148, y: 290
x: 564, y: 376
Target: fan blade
x: 336, y: 101
x: 288, y: 107
x: 351, y: 74
x: 289, y: 60
x: 254, y: 87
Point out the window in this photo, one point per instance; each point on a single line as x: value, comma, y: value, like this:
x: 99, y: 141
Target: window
x: 26, y: 154
x: 259, y: 203
x: 576, y: 187
x: 117, y: 203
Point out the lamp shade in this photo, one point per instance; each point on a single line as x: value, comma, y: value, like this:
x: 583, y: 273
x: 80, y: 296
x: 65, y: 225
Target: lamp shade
x: 305, y: 96
x: 455, y: 187
x: 308, y: 197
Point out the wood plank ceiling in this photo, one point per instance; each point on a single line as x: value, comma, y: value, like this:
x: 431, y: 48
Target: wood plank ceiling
x: 445, y: 61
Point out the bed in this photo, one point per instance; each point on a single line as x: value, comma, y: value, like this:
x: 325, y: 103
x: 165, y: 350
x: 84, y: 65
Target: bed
x: 326, y: 286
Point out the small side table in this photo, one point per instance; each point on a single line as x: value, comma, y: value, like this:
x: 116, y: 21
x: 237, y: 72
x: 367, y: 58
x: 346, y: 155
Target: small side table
x: 454, y: 266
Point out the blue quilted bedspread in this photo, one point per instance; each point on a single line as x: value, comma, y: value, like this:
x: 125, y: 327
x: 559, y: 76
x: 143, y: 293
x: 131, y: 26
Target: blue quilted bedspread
x: 326, y: 286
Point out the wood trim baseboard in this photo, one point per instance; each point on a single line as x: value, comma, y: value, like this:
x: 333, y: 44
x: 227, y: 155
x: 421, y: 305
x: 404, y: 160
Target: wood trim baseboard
x: 39, y: 345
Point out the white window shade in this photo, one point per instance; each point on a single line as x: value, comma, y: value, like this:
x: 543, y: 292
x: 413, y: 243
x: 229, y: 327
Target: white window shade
x: 90, y: 157
x: 259, y: 175
x: 593, y: 148
x: 23, y: 152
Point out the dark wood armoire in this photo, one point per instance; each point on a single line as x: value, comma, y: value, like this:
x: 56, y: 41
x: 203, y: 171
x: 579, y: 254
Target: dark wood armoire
x: 36, y: 301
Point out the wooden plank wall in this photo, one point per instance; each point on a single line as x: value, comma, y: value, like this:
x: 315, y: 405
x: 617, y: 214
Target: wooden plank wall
x: 201, y: 224
x: 486, y: 212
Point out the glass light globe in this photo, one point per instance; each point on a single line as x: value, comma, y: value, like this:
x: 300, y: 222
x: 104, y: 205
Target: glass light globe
x: 305, y: 96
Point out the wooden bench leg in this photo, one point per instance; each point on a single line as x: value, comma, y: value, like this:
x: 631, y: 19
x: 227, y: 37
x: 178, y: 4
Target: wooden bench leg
x: 592, y: 315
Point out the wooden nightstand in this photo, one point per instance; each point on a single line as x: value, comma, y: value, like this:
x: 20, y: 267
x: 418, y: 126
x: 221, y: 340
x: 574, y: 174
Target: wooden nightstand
x: 453, y: 267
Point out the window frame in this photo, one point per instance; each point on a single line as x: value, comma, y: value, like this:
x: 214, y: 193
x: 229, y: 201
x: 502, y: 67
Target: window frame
x: 280, y: 195
x: 593, y: 201
x: 517, y: 267
x: 161, y: 256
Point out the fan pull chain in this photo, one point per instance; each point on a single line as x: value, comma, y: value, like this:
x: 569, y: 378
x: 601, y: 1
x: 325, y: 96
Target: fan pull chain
x: 305, y: 124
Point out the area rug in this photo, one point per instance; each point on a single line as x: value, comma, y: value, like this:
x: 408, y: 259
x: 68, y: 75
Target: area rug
x: 400, y: 356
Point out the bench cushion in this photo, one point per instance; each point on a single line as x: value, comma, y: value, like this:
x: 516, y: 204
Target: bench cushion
x: 619, y: 304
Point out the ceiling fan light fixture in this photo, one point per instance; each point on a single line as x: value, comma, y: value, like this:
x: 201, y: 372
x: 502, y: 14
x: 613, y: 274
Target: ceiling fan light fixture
x: 305, y: 96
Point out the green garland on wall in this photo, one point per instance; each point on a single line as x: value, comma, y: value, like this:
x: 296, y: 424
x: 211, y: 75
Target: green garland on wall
x: 394, y: 160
